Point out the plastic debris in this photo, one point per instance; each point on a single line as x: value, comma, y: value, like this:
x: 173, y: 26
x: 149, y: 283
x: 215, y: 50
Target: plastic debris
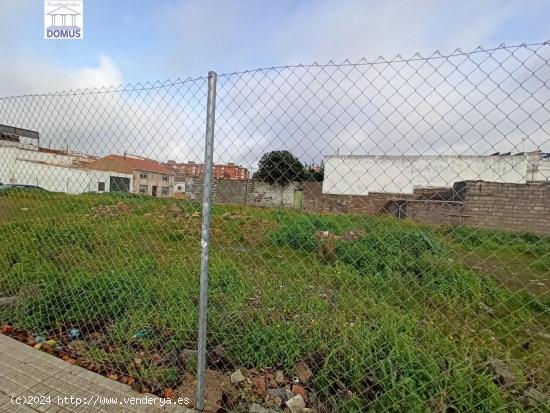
x: 142, y: 334
x: 73, y: 333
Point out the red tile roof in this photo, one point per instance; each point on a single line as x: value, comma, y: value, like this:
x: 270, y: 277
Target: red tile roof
x: 141, y: 164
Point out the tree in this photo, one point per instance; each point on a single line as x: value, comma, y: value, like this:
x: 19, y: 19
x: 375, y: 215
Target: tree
x: 281, y: 167
x: 314, y: 173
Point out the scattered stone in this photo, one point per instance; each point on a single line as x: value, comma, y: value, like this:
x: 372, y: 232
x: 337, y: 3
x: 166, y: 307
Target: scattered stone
x: 216, y: 384
x: 8, y: 301
x: 297, y: 389
x: 352, y: 236
x: 124, y: 379
x: 502, y: 372
x: 219, y: 351
x: 484, y: 307
x: 322, y: 235
x: 278, y: 393
x: 533, y: 397
x: 256, y: 408
x: 186, y: 356
x: 7, y: 329
x: 296, y: 404
x: 237, y: 377
x: 303, y: 372
x: 343, y: 391
x: 289, y: 394
x: 259, y: 385
x: 218, y: 358
x: 279, y: 377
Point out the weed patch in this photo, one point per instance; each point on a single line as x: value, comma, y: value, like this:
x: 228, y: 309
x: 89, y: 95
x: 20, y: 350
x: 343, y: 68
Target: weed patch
x: 395, y: 322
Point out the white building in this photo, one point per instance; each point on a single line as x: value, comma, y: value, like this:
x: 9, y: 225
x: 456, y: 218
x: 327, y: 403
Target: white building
x: 52, y: 170
x: 359, y: 175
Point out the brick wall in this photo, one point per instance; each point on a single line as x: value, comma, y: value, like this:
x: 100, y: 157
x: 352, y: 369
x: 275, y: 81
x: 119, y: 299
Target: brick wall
x: 251, y: 192
x: 313, y: 196
x: 515, y: 207
x: 373, y: 203
x: 492, y: 205
x: 435, y: 211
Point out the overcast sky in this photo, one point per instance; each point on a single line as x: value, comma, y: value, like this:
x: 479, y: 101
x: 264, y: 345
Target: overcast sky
x: 451, y: 106
x: 137, y: 40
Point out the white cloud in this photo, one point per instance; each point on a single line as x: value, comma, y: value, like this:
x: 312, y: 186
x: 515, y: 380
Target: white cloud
x: 25, y: 70
x: 310, y: 111
x: 237, y: 35
x: 29, y: 76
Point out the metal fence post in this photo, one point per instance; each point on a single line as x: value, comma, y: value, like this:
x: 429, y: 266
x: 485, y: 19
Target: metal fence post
x: 205, y: 236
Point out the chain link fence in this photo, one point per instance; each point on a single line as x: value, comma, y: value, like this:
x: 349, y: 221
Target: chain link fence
x: 370, y: 236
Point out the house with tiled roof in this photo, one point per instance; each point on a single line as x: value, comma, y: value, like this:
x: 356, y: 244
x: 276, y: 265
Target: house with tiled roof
x: 149, y: 177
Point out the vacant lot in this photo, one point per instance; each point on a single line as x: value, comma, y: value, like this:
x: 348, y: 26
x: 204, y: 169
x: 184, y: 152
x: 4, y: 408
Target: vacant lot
x: 389, y: 315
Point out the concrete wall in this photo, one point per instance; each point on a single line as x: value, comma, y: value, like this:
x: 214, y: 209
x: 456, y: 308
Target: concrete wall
x: 360, y: 175
x: 541, y: 172
x: 16, y: 151
x: 55, y: 178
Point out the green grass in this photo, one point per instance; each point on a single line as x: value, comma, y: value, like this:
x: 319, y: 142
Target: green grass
x: 395, y: 316
x: 534, y: 246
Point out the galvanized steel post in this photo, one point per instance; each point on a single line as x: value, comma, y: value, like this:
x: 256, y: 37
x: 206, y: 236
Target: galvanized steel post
x: 205, y: 236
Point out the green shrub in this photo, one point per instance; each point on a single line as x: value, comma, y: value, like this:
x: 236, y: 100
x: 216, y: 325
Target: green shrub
x: 392, y: 250
x: 299, y: 232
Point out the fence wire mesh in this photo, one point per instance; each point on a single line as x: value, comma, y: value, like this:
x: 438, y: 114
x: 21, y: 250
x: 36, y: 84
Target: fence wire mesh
x: 380, y: 235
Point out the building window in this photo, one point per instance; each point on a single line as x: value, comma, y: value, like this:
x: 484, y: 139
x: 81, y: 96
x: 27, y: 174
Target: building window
x: 143, y: 175
x: 165, y: 178
x: 143, y: 189
x: 165, y: 191
x: 101, y: 186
